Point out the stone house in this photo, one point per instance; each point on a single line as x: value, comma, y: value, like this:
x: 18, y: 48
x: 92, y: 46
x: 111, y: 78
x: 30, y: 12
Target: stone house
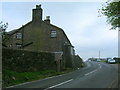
x: 42, y: 36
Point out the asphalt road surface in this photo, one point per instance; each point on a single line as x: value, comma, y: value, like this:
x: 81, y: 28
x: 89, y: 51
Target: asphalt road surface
x: 0, y: 70
x: 94, y: 75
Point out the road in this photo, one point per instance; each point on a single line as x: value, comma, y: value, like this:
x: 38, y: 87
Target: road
x: 0, y: 70
x: 94, y: 75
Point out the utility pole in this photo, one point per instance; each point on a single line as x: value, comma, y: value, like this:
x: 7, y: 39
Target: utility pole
x: 99, y: 54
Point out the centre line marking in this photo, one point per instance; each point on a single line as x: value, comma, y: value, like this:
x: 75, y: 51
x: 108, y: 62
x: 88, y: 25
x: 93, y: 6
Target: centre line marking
x: 91, y: 72
x: 100, y: 65
x: 59, y: 84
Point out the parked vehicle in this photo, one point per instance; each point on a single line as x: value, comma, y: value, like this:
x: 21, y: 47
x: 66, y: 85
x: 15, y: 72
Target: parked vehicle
x: 98, y: 60
x: 110, y: 61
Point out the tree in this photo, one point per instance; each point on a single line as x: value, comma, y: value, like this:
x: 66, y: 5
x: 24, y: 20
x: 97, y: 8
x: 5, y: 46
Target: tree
x: 3, y: 28
x: 112, y: 11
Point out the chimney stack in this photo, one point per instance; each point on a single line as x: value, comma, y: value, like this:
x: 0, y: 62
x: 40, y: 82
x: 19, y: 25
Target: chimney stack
x: 37, y: 13
x: 47, y: 20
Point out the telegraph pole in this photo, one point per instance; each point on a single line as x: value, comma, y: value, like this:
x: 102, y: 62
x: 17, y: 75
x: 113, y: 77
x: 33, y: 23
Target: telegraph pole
x: 99, y: 54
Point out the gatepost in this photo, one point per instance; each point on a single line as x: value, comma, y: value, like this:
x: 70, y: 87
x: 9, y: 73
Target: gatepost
x: 58, y: 58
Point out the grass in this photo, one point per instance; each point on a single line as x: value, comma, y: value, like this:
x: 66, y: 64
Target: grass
x: 13, y: 78
x: 10, y: 78
x: 103, y: 61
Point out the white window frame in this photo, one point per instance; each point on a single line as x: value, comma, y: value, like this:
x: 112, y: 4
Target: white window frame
x: 53, y: 34
x: 19, y: 35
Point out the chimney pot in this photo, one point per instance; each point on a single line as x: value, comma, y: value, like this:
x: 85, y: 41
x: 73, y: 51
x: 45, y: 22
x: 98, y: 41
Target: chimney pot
x: 47, y: 20
x: 47, y: 17
x: 38, y: 6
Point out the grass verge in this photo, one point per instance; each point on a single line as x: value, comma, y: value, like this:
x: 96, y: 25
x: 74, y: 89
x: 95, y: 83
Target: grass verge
x: 12, y: 78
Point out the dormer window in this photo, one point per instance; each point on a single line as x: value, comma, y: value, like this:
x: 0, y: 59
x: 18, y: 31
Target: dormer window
x: 53, y: 34
x: 19, y: 35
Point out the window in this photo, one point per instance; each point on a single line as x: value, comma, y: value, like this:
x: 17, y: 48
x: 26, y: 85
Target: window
x: 53, y: 34
x: 18, y: 35
x: 18, y: 45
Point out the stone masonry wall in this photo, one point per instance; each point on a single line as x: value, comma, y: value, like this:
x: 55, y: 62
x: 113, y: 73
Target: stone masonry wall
x: 27, y: 61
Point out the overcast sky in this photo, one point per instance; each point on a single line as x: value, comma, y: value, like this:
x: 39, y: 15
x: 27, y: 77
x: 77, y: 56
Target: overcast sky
x: 87, y: 32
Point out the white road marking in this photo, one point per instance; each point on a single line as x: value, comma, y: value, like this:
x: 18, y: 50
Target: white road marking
x: 37, y: 80
x: 90, y: 72
x: 93, y: 70
x: 59, y: 84
x: 99, y: 65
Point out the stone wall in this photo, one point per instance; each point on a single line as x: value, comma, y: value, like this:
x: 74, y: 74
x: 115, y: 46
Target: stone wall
x: 27, y: 61
x: 78, y: 62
